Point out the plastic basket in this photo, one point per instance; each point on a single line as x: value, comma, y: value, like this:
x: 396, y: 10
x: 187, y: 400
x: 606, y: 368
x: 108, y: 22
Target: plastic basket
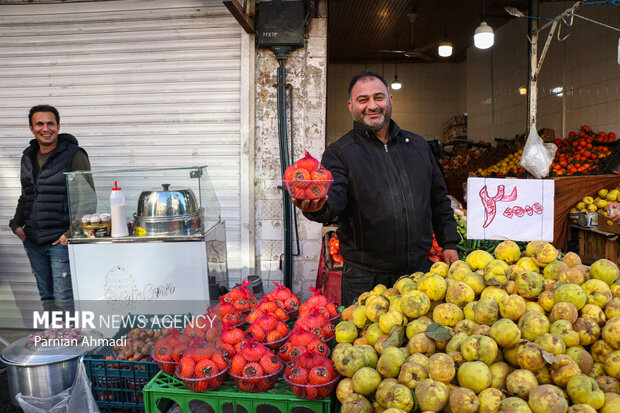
x: 307, y: 189
x: 335, y: 319
x: 313, y: 391
x: 117, y: 384
x: 202, y: 384
x: 164, y: 365
x: 164, y: 391
x: 257, y: 384
x: 275, y: 345
x: 292, y: 315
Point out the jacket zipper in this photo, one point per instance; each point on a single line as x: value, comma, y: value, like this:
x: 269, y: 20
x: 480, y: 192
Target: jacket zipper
x: 385, y: 146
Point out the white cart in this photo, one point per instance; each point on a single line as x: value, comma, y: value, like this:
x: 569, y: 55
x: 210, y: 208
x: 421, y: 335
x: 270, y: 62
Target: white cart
x: 171, y: 274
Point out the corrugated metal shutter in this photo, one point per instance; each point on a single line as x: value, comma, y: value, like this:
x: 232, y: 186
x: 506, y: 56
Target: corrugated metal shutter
x: 139, y: 83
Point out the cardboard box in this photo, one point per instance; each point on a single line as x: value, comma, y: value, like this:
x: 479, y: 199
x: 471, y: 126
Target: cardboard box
x: 456, y: 132
x: 587, y: 219
x: 607, y: 225
x: 547, y: 134
x: 573, y: 217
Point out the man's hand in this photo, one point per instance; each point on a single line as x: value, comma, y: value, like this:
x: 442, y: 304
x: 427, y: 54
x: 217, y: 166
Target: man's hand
x: 308, y: 205
x: 613, y: 210
x: 449, y: 256
x: 19, y: 231
x: 63, y: 240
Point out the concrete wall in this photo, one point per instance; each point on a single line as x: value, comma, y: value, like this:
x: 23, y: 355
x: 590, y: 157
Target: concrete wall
x: 428, y: 97
x: 306, y: 73
x: 584, y: 66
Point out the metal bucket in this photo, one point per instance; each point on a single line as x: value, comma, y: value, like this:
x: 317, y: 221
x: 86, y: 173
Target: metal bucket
x: 44, y: 380
x: 42, y: 370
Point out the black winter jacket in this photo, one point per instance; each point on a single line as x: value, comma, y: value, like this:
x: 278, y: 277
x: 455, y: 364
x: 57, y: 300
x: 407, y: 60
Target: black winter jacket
x: 46, y: 212
x: 389, y: 200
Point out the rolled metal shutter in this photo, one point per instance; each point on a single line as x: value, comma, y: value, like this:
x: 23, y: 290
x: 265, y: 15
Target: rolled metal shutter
x: 140, y: 84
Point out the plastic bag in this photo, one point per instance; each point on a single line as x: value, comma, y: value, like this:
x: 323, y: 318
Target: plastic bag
x: 537, y: 156
x: 77, y: 398
x: 307, y: 179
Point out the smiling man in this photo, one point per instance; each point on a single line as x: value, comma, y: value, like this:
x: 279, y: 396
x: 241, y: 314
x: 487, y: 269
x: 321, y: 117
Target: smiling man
x: 388, y: 194
x: 41, y: 218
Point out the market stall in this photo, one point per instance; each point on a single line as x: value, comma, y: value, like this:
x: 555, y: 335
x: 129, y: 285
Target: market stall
x: 508, y: 328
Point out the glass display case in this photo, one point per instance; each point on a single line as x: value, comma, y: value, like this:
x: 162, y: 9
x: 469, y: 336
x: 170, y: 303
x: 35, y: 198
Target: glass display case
x: 164, y: 202
x: 175, y: 250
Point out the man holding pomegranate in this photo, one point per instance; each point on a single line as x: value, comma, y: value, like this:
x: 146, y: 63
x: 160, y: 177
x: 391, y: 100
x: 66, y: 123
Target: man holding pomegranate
x: 388, y: 193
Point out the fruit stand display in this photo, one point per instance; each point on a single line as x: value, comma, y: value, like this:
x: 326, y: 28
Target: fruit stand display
x: 580, y: 153
x: 273, y: 352
x: 569, y: 191
x: 585, y: 212
x: 585, y: 162
x: 530, y: 331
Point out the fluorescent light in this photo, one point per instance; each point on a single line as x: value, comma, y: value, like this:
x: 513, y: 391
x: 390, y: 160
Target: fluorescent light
x: 445, y: 49
x: 483, y: 36
x: 396, y: 83
x: 558, y: 91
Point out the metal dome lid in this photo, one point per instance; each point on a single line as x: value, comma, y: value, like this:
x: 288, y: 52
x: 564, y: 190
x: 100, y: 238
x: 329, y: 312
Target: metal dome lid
x: 166, y: 203
x: 26, y: 352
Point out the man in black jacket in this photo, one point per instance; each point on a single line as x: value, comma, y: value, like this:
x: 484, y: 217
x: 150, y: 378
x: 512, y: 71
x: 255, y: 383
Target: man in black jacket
x: 41, y: 218
x: 388, y: 193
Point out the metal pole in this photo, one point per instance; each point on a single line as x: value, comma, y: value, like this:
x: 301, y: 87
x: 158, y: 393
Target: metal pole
x: 287, y: 264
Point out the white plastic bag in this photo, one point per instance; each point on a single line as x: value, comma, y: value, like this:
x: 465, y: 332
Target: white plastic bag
x: 537, y: 156
x: 77, y: 398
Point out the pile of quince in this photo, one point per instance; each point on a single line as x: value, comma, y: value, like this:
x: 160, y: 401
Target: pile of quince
x: 514, y: 332
x: 599, y: 202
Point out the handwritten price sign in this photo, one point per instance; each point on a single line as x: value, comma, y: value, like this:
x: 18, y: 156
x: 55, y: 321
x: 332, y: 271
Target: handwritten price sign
x: 516, y: 209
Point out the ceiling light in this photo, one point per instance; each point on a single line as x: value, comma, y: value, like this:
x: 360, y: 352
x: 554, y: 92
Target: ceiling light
x: 483, y: 36
x: 523, y: 90
x: 396, y: 83
x: 445, y: 49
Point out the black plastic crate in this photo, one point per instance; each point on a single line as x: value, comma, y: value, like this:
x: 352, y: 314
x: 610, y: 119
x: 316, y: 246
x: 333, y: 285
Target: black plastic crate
x: 117, y: 384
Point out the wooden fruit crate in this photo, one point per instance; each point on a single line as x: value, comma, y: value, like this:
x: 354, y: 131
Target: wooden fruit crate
x: 594, y: 245
x: 607, y: 225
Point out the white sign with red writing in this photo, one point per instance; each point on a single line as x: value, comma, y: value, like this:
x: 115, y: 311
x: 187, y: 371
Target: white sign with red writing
x: 515, y: 209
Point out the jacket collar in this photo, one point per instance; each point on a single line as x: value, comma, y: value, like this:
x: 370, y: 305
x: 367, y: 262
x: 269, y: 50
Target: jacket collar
x: 63, y: 140
x: 367, y: 132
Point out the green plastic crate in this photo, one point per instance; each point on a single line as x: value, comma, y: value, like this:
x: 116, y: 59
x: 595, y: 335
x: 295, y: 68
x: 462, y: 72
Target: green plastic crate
x: 164, y: 389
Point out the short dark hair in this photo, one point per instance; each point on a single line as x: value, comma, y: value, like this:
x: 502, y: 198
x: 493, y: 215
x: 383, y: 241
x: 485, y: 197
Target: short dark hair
x: 43, y: 108
x: 365, y: 74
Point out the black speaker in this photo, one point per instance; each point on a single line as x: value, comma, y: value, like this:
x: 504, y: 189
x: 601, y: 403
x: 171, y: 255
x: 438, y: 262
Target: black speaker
x: 280, y: 23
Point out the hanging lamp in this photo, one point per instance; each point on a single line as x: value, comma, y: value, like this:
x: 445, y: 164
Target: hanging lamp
x: 484, y: 36
x: 396, y: 83
x: 445, y: 47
